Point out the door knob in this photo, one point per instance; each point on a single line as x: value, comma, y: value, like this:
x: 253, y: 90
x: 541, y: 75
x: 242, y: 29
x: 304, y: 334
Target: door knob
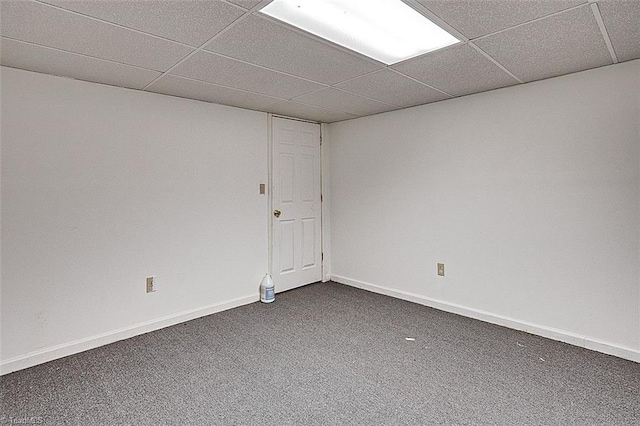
x: 277, y: 213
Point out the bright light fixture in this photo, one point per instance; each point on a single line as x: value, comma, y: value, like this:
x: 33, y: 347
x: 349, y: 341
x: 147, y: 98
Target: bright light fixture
x: 386, y: 30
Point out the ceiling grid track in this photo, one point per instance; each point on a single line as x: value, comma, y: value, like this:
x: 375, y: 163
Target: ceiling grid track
x: 603, y: 30
x: 365, y: 97
x: 531, y: 21
x: 496, y: 63
x: 201, y: 47
x: 262, y: 66
x: 78, y: 54
x: 228, y: 87
x: 423, y: 83
x: 93, y: 18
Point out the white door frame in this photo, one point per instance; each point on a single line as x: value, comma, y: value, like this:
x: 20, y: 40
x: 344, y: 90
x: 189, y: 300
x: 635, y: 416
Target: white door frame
x: 270, y: 216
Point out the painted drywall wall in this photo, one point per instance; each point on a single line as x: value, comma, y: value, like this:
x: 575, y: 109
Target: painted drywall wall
x: 529, y: 195
x: 102, y: 187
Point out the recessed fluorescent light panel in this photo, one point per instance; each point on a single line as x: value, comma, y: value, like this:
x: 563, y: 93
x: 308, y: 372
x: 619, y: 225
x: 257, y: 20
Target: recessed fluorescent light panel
x: 386, y: 30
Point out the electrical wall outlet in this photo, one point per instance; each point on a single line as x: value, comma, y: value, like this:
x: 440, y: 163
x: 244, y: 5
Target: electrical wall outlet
x: 150, y: 288
x: 441, y: 269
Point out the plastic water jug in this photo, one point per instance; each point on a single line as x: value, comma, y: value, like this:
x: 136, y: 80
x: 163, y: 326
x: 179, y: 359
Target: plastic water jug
x: 267, y: 290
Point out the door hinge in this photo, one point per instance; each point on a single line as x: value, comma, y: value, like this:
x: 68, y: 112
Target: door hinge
x: 321, y: 199
x: 322, y: 256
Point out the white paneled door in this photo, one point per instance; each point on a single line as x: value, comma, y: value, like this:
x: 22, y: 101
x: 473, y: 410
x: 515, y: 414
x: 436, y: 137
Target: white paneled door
x: 295, y: 193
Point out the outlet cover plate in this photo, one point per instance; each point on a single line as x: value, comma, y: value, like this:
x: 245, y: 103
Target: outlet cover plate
x: 150, y: 282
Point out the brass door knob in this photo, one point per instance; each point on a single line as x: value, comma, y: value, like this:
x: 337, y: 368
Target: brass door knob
x: 277, y: 213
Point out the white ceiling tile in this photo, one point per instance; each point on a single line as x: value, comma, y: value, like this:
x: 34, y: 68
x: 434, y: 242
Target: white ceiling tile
x: 46, y: 60
x: 566, y: 42
x: 475, y: 18
x: 389, y: 86
x: 263, y: 42
x: 561, y: 44
x: 308, y: 112
x: 458, y: 70
x: 229, y: 72
x: 185, y: 88
x: 622, y: 20
x: 339, y: 100
x: 49, y: 26
x: 247, y: 4
x: 192, y: 22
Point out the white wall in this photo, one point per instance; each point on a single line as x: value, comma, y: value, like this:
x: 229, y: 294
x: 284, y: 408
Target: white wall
x: 529, y: 195
x: 103, y: 186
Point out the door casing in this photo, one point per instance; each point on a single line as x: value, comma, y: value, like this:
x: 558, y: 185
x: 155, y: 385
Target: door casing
x: 270, y: 201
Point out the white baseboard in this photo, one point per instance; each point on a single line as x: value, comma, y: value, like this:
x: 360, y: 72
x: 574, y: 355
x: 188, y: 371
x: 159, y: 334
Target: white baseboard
x: 540, y: 330
x: 70, y: 348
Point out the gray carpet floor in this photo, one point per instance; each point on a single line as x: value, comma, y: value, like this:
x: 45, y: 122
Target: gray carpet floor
x: 329, y: 354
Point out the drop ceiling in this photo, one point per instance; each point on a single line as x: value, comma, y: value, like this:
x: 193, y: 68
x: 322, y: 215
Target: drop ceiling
x: 227, y: 52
